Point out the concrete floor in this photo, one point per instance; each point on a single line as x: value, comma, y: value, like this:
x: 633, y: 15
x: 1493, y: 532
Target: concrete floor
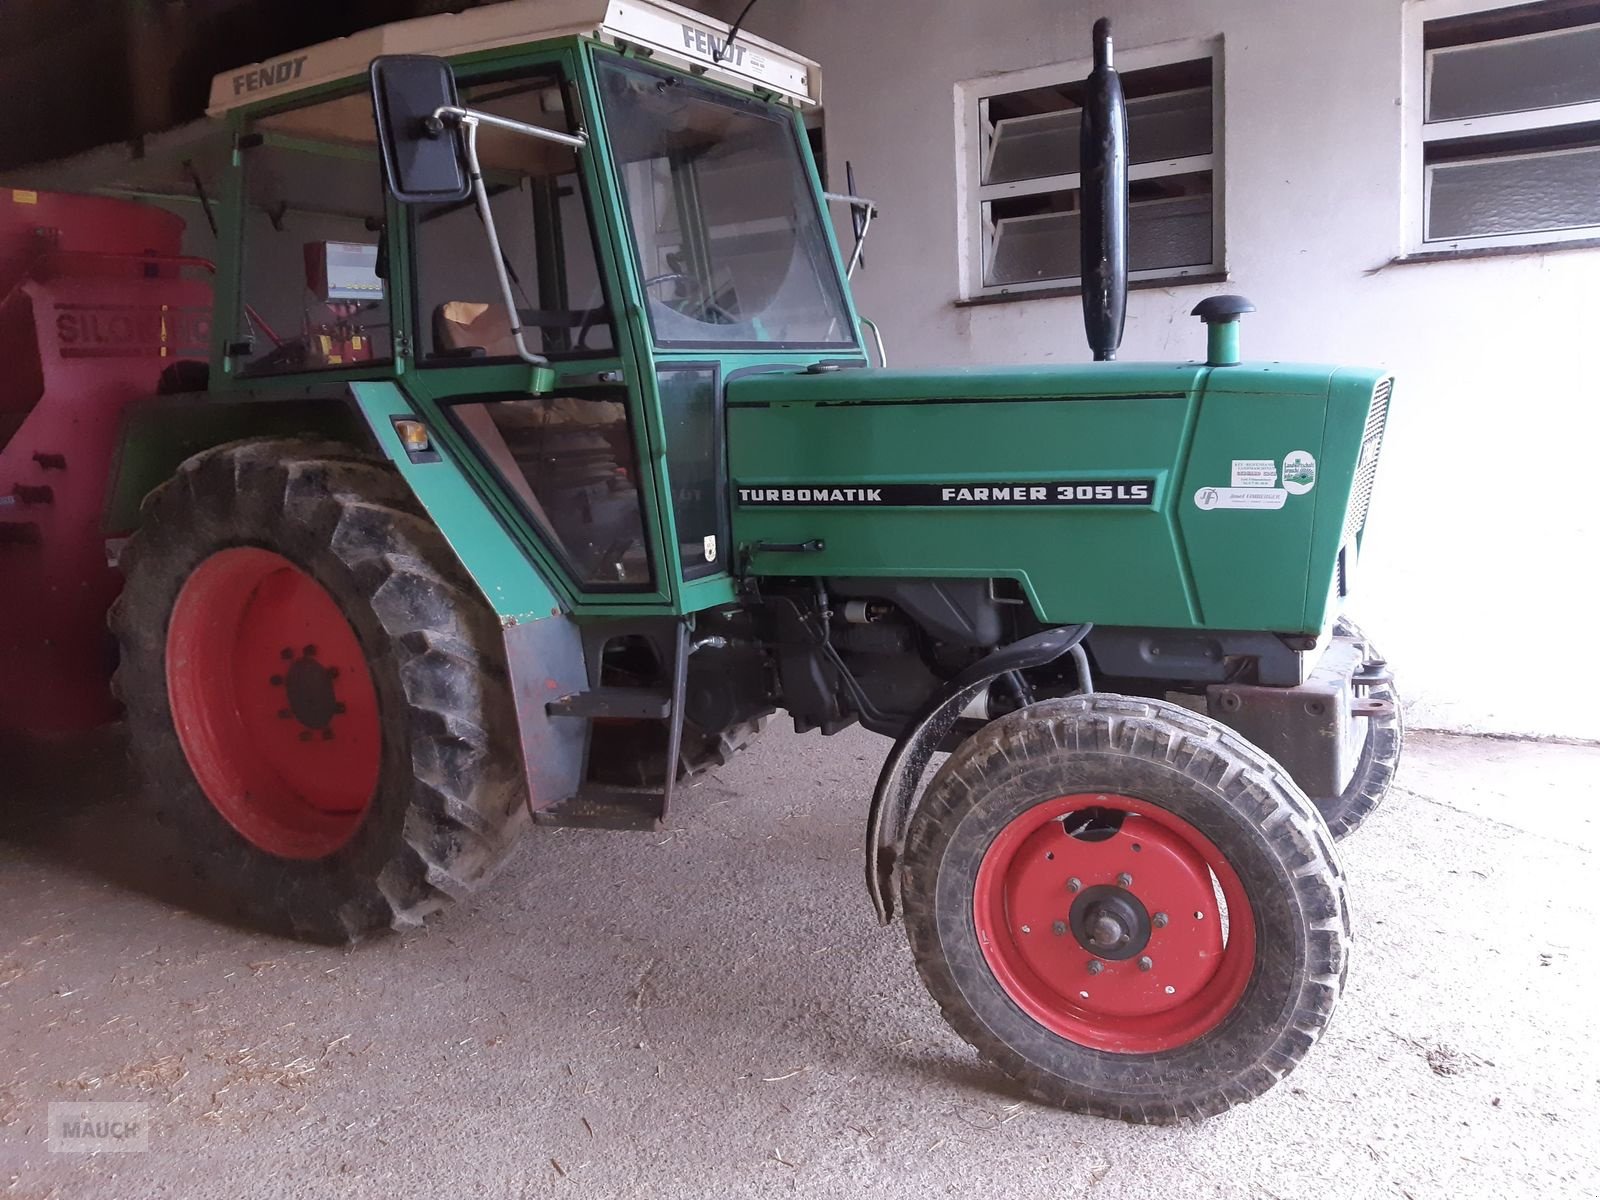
x: 711, y: 1011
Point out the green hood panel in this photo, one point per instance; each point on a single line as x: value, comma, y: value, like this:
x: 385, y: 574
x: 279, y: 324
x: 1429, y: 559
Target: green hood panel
x: 875, y: 386
x: 1127, y: 494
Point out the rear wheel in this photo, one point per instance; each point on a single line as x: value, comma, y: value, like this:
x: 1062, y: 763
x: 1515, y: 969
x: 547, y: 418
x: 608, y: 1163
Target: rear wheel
x: 1127, y: 908
x: 317, y: 698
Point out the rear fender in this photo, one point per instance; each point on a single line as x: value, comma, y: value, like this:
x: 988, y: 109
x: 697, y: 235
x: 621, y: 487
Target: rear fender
x: 158, y: 435
x: 544, y: 652
x: 544, y: 649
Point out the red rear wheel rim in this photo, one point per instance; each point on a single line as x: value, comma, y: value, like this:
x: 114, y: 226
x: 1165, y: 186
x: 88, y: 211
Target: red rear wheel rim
x: 1164, y: 979
x: 273, y: 703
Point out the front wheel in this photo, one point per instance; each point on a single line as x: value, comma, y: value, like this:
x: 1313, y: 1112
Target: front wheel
x: 1380, y: 752
x: 1126, y: 907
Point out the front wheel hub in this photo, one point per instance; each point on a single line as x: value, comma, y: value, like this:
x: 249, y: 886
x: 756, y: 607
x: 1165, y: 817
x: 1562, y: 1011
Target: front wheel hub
x: 1162, y: 939
x: 1110, y: 922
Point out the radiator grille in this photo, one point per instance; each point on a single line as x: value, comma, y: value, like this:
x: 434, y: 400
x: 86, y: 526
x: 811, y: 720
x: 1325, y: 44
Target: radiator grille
x: 1371, y: 448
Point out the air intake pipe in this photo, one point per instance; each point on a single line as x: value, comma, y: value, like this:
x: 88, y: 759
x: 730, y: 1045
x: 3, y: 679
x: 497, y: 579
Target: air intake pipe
x: 1103, y: 161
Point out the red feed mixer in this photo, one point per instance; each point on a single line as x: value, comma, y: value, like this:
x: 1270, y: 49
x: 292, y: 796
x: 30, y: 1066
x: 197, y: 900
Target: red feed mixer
x: 96, y: 300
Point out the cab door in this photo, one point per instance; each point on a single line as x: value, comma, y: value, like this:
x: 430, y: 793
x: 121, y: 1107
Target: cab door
x: 562, y: 453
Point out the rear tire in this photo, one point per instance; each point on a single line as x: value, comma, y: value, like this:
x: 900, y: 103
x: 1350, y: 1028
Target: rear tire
x: 445, y: 793
x: 1380, y: 754
x: 1177, y: 1026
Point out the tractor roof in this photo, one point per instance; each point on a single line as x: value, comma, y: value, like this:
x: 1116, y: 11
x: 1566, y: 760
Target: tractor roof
x: 671, y: 32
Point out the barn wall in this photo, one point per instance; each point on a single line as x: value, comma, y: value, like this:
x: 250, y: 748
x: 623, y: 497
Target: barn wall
x: 1480, y: 565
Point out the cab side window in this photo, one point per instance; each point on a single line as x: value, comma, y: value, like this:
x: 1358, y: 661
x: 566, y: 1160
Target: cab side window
x: 545, y: 234
x: 569, y: 462
x: 313, y: 292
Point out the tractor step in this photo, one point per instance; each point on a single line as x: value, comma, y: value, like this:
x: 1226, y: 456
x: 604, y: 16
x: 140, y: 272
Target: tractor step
x: 601, y: 807
x: 604, y: 805
x: 639, y: 704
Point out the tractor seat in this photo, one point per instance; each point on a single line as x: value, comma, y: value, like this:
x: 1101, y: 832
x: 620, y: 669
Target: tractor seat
x: 482, y: 329
x: 463, y: 326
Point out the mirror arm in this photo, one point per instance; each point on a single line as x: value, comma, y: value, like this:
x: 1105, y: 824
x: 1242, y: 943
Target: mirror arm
x: 863, y: 210
x: 852, y: 201
x: 467, y: 117
x: 861, y: 244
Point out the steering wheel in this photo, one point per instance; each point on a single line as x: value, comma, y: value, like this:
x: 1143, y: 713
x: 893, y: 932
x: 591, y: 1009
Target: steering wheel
x: 702, y: 296
x: 655, y: 279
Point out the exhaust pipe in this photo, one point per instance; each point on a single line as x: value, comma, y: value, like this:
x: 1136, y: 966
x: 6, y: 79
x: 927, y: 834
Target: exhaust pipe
x: 1103, y: 199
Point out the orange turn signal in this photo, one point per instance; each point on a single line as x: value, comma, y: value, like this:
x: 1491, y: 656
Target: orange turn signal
x: 413, y: 436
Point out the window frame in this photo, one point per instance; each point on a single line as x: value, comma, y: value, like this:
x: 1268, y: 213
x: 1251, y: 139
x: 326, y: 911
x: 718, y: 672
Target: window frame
x: 719, y: 458
x: 248, y: 137
x: 973, y: 150
x: 1420, y: 134
x: 426, y: 358
x: 547, y: 536
x: 831, y: 273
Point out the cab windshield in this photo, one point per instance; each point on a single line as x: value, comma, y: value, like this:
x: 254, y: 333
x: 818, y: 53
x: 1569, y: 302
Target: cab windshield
x: 724, y: 217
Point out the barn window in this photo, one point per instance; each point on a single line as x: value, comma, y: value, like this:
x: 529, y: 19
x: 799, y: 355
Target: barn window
x: 1511, y: 125
x: 1022, y: 174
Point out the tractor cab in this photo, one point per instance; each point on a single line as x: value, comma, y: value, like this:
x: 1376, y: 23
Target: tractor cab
x: 581, y: 240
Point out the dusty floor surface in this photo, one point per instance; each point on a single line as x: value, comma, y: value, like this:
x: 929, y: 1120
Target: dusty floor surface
x: 711, y: 1011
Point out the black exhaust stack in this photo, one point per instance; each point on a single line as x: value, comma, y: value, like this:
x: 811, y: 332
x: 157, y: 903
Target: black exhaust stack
x: 1103, y: 160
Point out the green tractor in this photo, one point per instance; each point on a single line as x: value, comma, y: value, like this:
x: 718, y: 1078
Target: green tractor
x: 540, y: 457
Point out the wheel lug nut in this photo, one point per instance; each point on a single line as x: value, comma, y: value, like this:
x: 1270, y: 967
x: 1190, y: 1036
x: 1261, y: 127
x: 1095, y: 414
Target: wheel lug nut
x: 1145, y: 964
x: 1159, y: 920
x: 1096, y: 966
x: 1124, y: 879
x: 1074, y: 884
x: 1059, y: 929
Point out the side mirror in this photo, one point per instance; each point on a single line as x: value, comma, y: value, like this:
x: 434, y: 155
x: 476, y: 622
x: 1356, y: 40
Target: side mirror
x: 421, y: 155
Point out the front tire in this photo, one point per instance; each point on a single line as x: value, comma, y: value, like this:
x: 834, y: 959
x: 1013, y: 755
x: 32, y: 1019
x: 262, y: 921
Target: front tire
x: 1061, y: 892
x: 317, y: 698
x: 1380, y: 753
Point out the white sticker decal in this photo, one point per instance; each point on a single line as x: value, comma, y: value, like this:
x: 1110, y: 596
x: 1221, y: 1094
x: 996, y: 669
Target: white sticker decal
x: 710, y: 546
x: 1246, y: 497
x: 1255, y: 472
x: 1299, y: 471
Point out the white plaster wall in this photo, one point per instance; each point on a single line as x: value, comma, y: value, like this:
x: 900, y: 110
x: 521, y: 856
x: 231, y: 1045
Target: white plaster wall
x: 1480, y: 577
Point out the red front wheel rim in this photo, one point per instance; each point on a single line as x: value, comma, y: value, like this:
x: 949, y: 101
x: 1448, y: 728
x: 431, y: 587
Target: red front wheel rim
x: 273, y: 703
x: 1113, y: 936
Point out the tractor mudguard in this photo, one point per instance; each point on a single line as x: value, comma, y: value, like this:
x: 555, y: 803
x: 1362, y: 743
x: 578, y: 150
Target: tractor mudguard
x: 903, y: 768
x: 159, y: 434
x: 544, y: 648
